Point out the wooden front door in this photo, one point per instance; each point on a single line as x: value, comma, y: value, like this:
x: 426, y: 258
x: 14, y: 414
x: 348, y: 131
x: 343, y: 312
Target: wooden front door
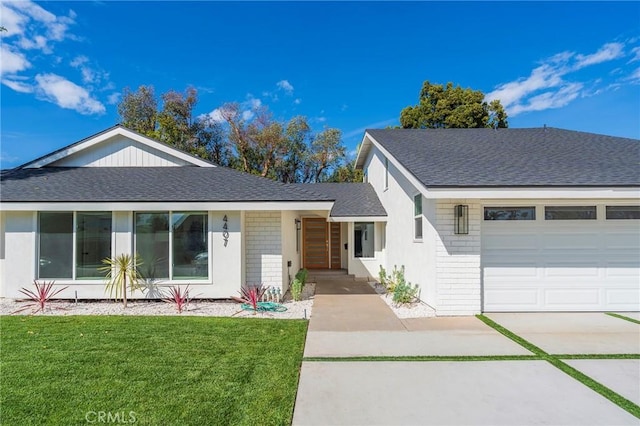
x: 336, y: 258
x: 321, y: 242
x: 316, y: 243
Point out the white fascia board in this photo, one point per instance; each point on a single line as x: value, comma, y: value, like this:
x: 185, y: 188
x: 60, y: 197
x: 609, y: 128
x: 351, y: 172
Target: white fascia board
x: 118, y: 131
x: 534, y: 193
x: 406, y: 173
x: 164, y: 206
x: 358, y: 219
x: 363, y: 151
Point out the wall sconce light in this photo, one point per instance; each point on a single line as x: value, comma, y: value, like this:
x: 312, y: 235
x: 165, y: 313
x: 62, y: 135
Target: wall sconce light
x: 298, y: 224
x: 461, y: 220
x: 298, y: 227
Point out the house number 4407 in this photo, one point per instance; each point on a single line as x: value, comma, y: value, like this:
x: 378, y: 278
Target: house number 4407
x: 225, y: 230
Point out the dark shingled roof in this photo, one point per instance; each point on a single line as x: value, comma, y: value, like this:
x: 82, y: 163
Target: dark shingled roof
x: 545, y: 157
x: 352, y: 199
x: 145, y: 184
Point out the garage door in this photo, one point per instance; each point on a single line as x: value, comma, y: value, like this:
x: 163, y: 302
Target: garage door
x: 560, y: 265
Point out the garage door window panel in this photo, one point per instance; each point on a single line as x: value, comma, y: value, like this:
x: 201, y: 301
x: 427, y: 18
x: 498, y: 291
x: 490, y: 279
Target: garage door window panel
x: 570, y: 213
x: 623, y: 212
x: 510, y: 213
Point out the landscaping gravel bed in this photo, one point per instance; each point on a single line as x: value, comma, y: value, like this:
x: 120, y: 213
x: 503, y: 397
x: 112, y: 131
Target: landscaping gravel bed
x: 411, y: 310
x: 218, y: 308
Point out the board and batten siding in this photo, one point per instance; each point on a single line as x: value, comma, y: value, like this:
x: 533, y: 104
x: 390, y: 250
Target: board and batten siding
x: 122, y: 152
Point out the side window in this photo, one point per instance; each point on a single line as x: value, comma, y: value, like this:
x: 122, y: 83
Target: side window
x: 417, y: 216
x: 363, y: 239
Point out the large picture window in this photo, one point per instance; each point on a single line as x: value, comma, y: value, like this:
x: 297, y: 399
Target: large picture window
x: 173, y: 245
x: 63, y: 253
x: 363, y: 238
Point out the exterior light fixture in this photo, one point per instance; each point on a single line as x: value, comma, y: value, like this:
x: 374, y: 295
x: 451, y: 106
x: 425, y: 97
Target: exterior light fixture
x: 298, y: 227
x: 461, y: 220
x: 298, y: 224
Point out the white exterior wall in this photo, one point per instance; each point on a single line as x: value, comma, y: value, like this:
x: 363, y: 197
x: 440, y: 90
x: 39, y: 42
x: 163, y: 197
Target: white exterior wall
x: 263, y: 236
x: 289, y: 252
x: 401, y: 248
x: 20, y: 256
x: 458, y: 261
x: 225, y: 263
x: 120, y: 152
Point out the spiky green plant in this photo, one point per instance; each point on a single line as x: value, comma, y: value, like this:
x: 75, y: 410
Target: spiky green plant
x: 121, y: 271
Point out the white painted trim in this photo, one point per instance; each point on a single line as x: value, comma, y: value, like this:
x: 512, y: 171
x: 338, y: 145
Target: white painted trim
x: 534, y: 193
x: 118, y: 131
x: 358, y: 219
x: 153, y: 206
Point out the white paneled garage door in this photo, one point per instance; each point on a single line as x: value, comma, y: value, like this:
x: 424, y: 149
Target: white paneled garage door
x: 561, y: 265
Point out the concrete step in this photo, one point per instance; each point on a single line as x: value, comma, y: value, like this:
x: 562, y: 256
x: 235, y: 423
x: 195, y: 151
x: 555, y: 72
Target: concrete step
x: 329, y: 274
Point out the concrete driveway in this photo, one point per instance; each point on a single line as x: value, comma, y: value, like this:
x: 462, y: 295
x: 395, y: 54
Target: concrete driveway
x: 487, y: 379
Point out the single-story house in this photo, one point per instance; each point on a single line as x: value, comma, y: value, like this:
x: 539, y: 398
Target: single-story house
x: 482, y: 219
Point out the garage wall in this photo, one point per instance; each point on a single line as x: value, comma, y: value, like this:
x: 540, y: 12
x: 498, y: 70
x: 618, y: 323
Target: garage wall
x: 458, y: 261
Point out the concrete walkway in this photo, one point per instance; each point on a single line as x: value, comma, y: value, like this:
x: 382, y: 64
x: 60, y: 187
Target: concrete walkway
x: 349, y: 320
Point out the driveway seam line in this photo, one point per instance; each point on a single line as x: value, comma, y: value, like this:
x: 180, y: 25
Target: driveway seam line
x: 623, y: 317
x: 576, y: 374
x: 424, y: 358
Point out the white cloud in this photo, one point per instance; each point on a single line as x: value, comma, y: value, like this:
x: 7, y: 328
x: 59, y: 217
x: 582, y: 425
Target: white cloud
x: 297, y: 101
x: 13, y: 21
x: 12, y: 61
x: 634, y: 77
x: 285, y: 86
x: 18, y: 86
x: 360, y: 131
x: 253, y: 103
x: 248, y: 114
x: 547, y: 86
x: 114, y: 98
x: 636, y: 54
x: 606, y: 53
x: 66, y: 94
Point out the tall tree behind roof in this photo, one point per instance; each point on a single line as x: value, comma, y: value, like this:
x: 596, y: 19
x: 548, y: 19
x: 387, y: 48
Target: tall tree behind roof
x: 452, y: 107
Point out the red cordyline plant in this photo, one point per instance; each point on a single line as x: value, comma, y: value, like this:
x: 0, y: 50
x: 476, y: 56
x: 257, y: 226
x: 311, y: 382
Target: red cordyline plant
x: 179, y: 297
x: 41, y: 296
x: 251, y: 294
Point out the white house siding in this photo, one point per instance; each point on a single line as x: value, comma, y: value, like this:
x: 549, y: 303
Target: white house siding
x: 225, y: 263
x: 263, y: 237
x: 119, y: 152
x: 289, y: 252
x: 21, y: 257
x: 400, y: 246
x: 458, y: 260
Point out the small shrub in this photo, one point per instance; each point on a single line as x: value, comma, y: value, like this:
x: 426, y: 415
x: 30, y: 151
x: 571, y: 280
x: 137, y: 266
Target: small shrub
x: 122, y: 272
x: 296, y: 290
x: 41, y: 296
x: 251, y: 294
x: 302, y: 276
x: 405, y: 293
x: 179, y: 297
x: 382, y: 276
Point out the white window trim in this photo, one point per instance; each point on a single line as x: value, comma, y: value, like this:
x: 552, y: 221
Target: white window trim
x: 386, y: 173
x: 74, y: 249
x: 418, y: 216
x: 353, y: 251
x: 171, y: 280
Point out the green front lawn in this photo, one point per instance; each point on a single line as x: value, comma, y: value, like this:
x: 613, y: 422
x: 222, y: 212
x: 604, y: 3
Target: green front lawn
x: 156, y: 370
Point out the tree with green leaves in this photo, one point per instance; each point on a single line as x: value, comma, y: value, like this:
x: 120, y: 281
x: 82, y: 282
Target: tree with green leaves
x: 452, y: 107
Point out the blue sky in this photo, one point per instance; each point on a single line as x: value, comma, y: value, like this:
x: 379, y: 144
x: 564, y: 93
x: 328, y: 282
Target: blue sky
x: 346, y: 65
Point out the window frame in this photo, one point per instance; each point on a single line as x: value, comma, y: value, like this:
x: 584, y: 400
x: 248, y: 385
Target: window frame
x: 373, y: 228
x: 606, y: 212
x: 593, y: 208
x: 418, y: 216
x: 74, y: 246
x: 171, y: 247
x: 516, y: 218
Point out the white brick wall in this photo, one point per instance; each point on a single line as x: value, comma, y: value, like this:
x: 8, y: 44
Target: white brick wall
x: 263, y: 244
x: 458, y: 261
